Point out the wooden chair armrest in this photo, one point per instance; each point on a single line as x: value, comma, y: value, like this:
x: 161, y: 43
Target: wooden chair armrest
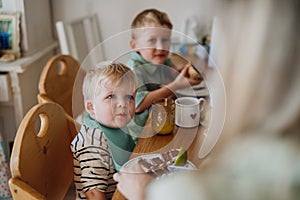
x: 21, y: 190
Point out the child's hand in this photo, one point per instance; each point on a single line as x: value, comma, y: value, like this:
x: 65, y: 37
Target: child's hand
x: 95, y: 194
x: 184, y: 80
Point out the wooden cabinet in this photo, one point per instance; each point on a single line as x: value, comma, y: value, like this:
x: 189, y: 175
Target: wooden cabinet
x: 20, y: 92
x: 5, y: 87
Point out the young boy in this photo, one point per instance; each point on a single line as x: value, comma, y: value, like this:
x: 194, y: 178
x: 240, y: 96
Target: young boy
x: 151, y: 40
x: 103, y: 144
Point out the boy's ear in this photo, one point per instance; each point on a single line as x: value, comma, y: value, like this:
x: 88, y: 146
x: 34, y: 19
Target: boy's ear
x: 89, y: 107
x: 132, y: 43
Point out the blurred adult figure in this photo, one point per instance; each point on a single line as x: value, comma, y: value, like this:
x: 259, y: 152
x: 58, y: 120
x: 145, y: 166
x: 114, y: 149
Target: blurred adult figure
x: 258, y: 154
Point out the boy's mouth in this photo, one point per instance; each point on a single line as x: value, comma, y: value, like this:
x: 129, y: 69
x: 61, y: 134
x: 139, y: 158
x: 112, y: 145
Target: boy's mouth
x: 122, y: 115
x: 161, y: 55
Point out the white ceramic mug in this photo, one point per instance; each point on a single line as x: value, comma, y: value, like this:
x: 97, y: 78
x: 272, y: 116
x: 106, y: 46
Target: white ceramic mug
x: 187, y: 111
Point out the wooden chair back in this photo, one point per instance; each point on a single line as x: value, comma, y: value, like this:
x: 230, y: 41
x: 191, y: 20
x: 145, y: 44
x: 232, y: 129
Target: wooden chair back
x: 57, y: 80
x: 41, y: 161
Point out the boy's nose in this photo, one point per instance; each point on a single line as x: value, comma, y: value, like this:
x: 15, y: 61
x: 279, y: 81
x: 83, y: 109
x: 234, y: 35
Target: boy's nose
x: 122, y: 103
x: 159, y: 45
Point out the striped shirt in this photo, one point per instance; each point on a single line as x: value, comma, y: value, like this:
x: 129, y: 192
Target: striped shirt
x: 93, y: 164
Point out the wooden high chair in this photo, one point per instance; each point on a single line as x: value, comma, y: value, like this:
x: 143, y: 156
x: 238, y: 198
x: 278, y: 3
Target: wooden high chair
x: 41, y: 161
x: 57, y: 81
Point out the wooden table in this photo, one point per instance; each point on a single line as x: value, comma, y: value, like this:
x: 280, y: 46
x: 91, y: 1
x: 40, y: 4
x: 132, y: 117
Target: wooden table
x: 189, y: 138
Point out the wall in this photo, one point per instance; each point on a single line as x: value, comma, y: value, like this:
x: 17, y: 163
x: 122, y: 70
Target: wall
x: 115, y: 16
x: 36, y: 33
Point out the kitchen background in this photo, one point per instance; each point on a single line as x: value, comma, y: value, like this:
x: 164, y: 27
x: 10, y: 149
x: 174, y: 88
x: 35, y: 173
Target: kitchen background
x: 38, y: 40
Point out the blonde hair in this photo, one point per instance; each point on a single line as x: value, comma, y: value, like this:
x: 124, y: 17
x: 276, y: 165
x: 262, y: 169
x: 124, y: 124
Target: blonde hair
x: 104, y: 73
x: 149, y: 16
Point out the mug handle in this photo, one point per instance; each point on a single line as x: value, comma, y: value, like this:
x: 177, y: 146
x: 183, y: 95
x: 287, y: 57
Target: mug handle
x: 203, y: 103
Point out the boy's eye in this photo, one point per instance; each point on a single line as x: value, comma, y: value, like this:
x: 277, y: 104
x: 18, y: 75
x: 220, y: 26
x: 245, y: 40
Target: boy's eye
x: 152, y: 40
x: 165, y: 40
x: 129, y: 97
x: 112, y: 96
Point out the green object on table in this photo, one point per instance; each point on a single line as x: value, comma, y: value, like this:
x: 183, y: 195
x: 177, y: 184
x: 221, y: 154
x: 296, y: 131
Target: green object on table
x: 181, y: 158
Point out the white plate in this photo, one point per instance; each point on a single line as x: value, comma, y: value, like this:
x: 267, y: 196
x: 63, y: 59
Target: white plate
x: 147, y: 157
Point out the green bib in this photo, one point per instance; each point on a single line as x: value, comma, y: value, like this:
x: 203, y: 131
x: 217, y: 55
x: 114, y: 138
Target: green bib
x: 120, y: 141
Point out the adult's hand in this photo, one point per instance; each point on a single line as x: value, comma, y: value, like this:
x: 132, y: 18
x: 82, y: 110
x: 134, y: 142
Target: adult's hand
x: 133, y: 181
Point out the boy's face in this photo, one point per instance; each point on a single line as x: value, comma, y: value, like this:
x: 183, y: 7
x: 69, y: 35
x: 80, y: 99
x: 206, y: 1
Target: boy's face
x: 114, y: 106
x: 153, y: 43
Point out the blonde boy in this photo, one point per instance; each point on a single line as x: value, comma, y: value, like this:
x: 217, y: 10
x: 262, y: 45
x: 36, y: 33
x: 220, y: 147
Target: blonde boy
x: 103, y: 144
